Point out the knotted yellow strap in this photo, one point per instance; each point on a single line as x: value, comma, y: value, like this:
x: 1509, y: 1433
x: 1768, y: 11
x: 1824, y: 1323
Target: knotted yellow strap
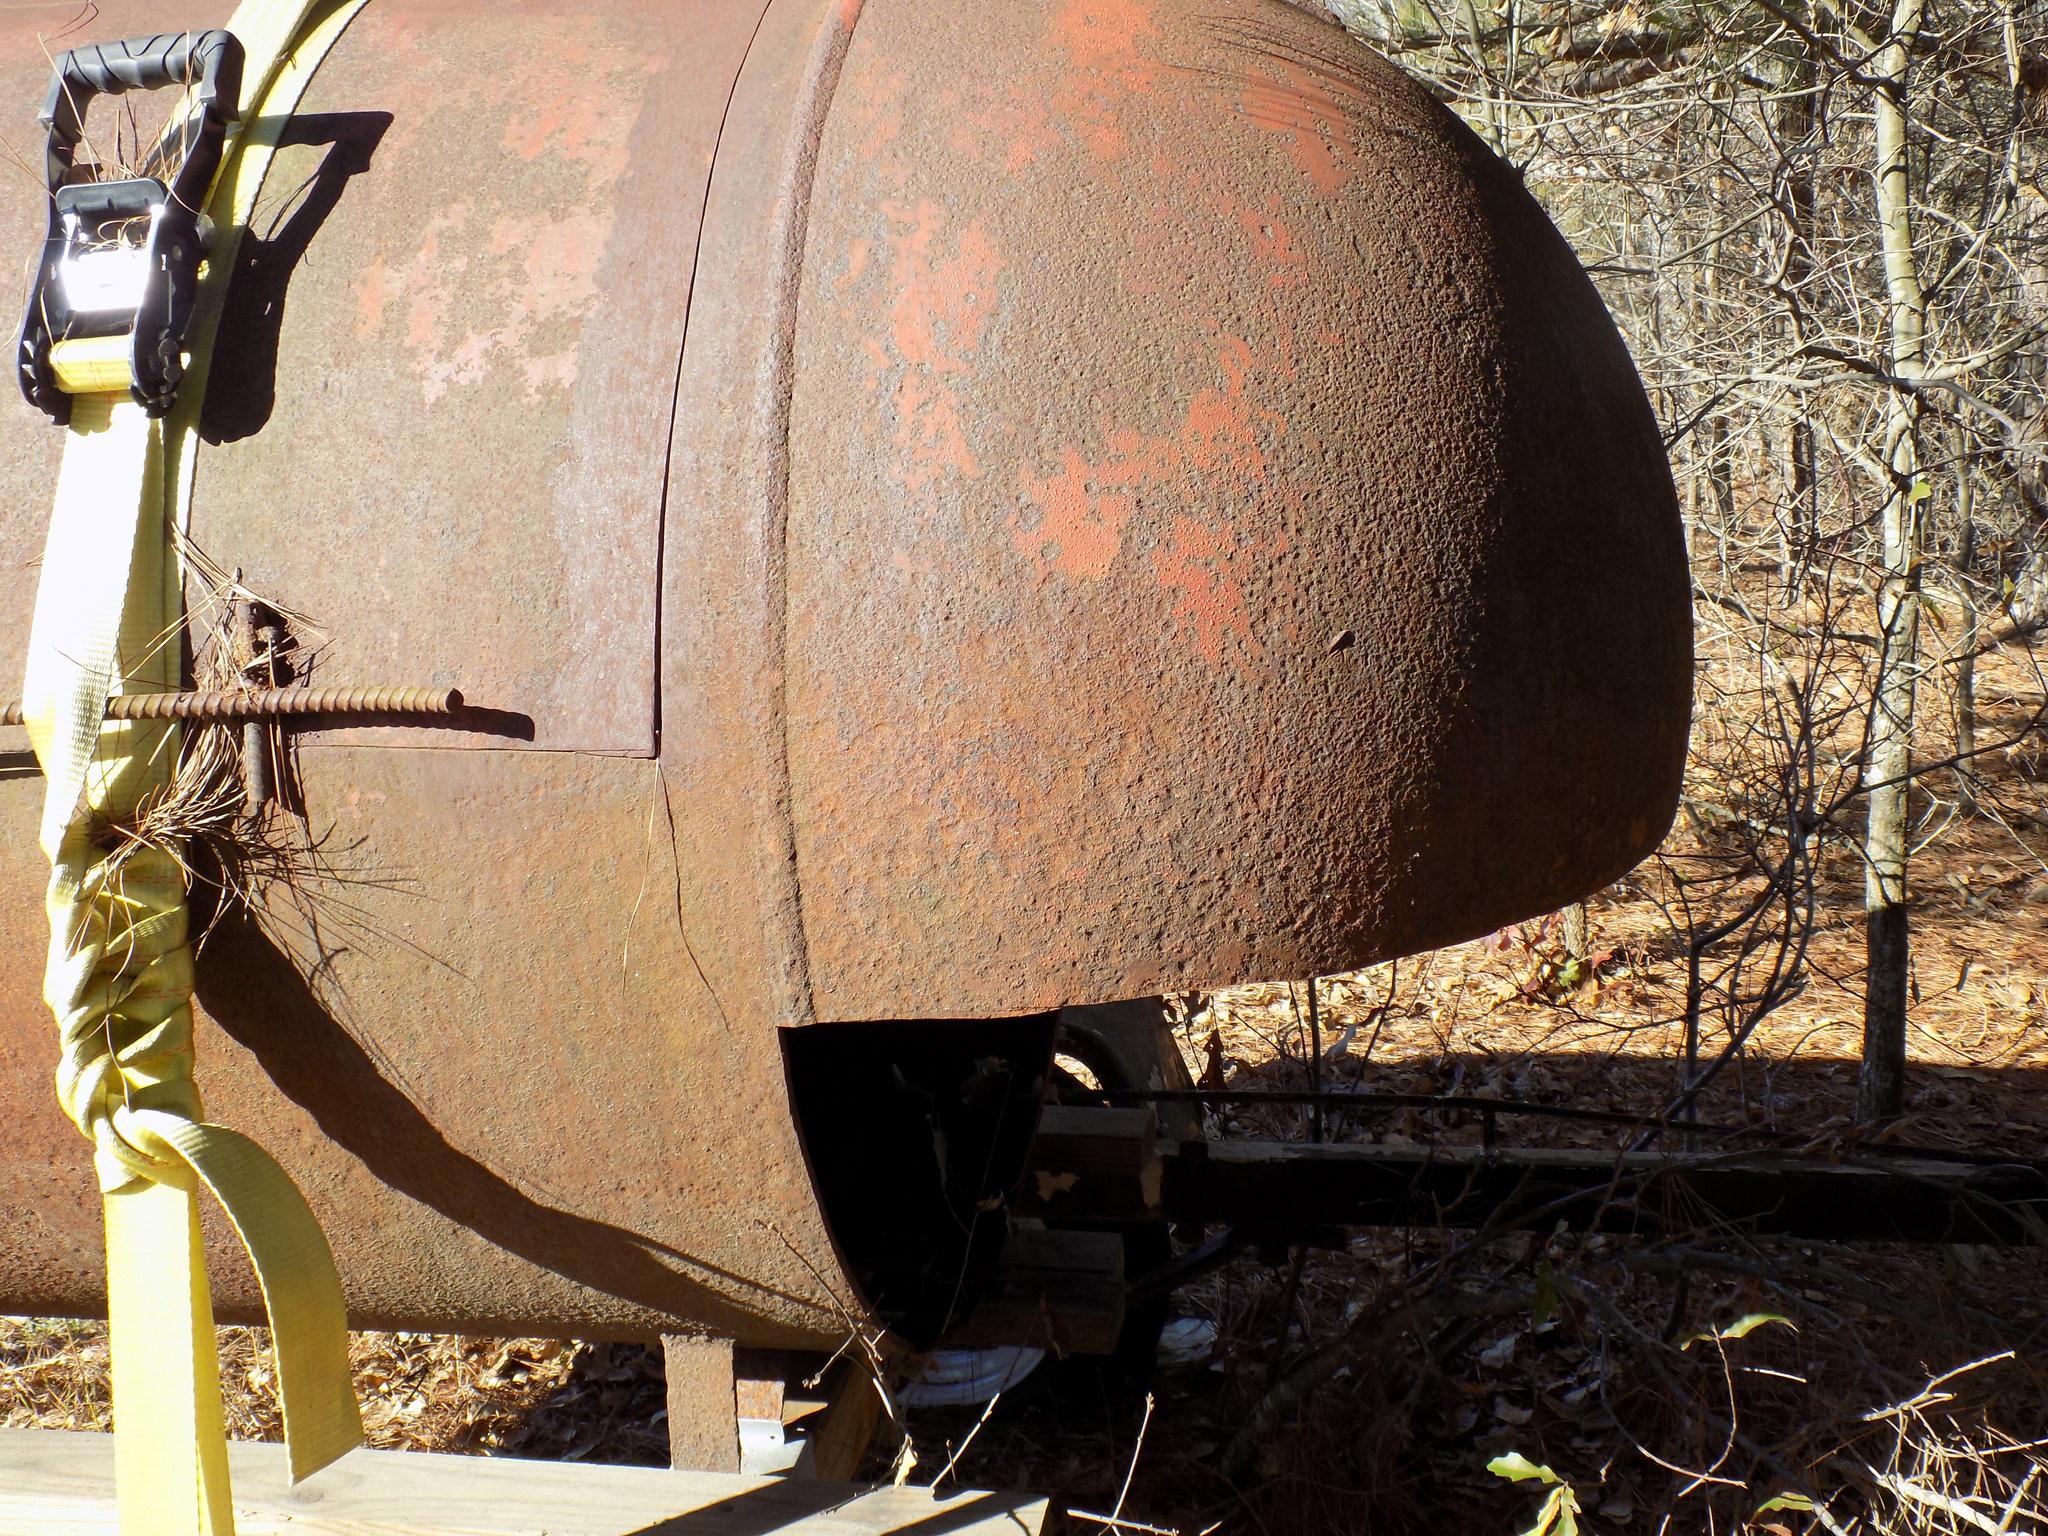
x: 119, y: 976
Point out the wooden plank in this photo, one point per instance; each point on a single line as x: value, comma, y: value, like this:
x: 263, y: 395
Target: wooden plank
x: 1267, y: 1184
x: 59, y: 1483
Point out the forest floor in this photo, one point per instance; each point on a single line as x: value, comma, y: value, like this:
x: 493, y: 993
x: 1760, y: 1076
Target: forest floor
x: 1433, y: 1355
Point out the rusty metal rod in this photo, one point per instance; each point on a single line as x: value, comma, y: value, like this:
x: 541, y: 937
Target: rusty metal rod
x: 1293, y: 1183
x: 1361, y: 1102
x: 261, y: 634
x: 272, y: 703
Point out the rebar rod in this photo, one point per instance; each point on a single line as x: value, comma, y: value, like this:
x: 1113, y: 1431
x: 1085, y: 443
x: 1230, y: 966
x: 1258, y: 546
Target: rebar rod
x: 271, y: 703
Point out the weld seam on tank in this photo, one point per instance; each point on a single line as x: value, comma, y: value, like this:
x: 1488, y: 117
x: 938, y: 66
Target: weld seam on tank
x: 675, y: 397
x: 781, y: 884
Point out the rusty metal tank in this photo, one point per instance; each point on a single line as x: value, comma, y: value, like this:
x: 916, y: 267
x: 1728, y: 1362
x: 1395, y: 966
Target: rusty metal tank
x: 940, y: 512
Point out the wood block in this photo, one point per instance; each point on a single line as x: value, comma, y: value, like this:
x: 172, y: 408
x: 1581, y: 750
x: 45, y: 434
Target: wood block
x: 1061, y: 1291
x: 60, y: 1483
x: 703, y: 1412
x: 1091, y: 1139
x: 841, y: 1434
x: 1097, y: 1164
x: 761, y: 1383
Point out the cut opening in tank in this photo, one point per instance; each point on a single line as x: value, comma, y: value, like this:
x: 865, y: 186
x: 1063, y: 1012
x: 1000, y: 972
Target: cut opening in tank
x: 916, y: 1131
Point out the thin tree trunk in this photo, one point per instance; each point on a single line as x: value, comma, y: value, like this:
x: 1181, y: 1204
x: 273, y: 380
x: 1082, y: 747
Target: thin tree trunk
x: 1796, y: 118
x: 1714, y: 432
x: 1578, y: 947
x: 1720, y: 471
x: 1483, y: 84
x: 1966, y: 600
x: 1578, y: 942
x: 1889, y: 762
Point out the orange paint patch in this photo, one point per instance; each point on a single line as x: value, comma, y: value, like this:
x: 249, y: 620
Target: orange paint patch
x: 942, y: 302
x: 533, y: 278
x: 901, y: 560
x: 875, y: 113
x: 856, y: 263
x: 1085, y: 510
x: 1080, y: 528
x: 430, y: 280
x: 541, y: 373
x: 590, y: 131
x: 527, y: 137
x: 542, y: 270
x: 877, y: 358
x: 421, y: 324
x: 1220, y: 431
x: 1103, y: 135
x: 942, y: 290
x: 1301, y: 109
x: 373, y: 292
x: 1201, y: 566
x: 1106, y: 44
x: 560, y: 264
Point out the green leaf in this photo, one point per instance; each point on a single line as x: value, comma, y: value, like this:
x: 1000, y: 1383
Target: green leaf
x: 1517, y: 1468
x: 1793, y: 1501
x: 1922, y: 489
x: 1741, y: 1328
x: 1746, y: 1325
x: 1559, y: 1515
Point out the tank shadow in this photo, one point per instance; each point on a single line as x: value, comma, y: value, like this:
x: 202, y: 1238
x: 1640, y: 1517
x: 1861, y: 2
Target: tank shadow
x: 239, y: 400
x: 260, y: 999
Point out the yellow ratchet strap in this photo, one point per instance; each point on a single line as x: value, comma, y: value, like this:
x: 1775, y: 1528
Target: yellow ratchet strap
x: 119, y: 979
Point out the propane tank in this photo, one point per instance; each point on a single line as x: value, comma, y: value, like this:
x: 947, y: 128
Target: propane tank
x: 936, y: 513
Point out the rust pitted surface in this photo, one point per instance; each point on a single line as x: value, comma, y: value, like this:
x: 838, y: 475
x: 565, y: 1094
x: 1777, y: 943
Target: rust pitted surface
x: 440, y: 420
x: 492, y: 1062
x: 498, y: 294
x: 508, y: 1099
x: 1226, y: 536
x: 1145, y: 501
x: 725, y: 598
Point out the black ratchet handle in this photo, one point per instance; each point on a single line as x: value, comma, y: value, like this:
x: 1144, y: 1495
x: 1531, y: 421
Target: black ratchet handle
x: 209, y: 63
